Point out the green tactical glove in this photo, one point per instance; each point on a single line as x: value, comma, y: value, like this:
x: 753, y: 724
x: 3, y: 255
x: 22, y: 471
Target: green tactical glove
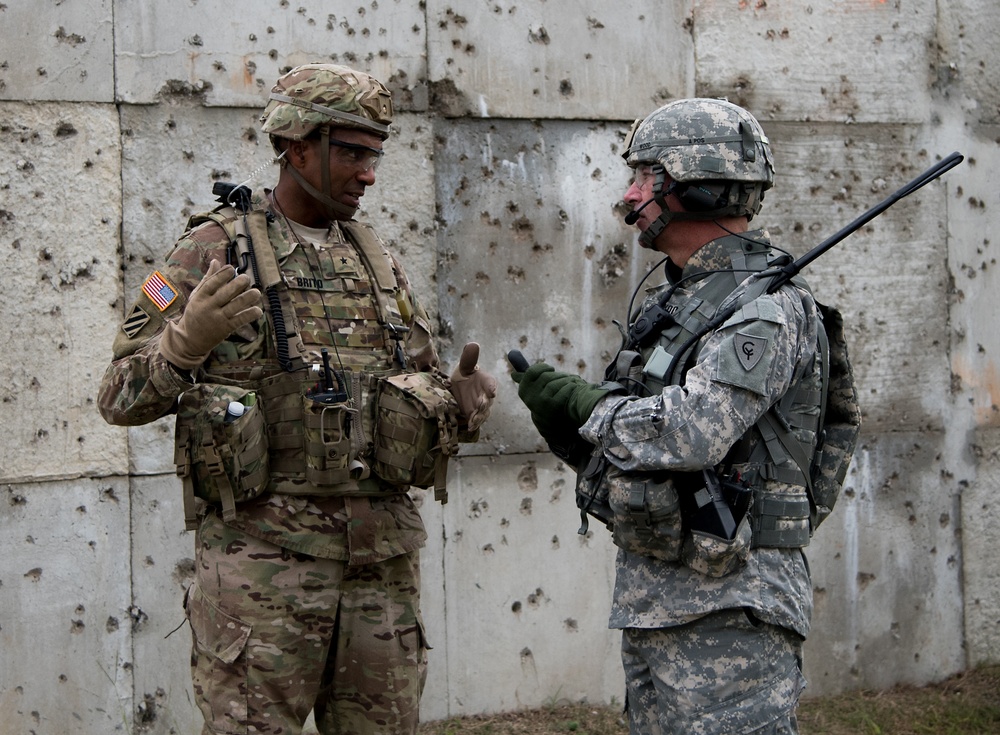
x: 557, y: 401
x: 219, y: 305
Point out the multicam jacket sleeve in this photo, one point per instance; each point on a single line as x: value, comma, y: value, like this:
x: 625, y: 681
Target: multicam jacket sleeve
x: 140, y: 385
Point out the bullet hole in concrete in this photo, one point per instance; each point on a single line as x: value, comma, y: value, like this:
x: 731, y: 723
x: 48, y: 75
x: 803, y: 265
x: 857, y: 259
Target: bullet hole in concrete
x: 864, y: 579
x: 488, y: 550
x: 571, y: 625
x: 138, y: 617
x: 180, y: 88
x: 566, y: 88
x: 184, y: 570
x: 613, y: 265
x: 526, y: 655
x: 65, y: 130
x: 111, y: 625
x: 526, y: 506
x: 522, y: 225
x: 515, y: 274
x: 527, y: 477
x: 73, y: 39
x: 516, y: 607
x: 146, y: 710
x: 34, y: 574
x: 477, y: 508
x: 555, y: 542
x: 16, y: 499
x: 539, y: 35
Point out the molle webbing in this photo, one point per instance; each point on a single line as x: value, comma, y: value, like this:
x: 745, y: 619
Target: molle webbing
x: 778, y: 519
x: 380, y: 266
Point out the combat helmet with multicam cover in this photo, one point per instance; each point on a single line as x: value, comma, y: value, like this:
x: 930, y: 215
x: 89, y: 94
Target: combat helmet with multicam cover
x: 318, y: 97
x: 715, y: 153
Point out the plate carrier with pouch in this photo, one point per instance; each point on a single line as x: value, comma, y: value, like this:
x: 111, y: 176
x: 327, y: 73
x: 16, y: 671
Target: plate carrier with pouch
x: 804, y: 442
x: 401, y: 425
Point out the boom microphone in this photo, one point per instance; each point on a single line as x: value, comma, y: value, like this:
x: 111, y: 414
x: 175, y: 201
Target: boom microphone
x: 632, y: 217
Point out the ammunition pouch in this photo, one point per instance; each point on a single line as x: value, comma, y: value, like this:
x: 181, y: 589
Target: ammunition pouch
x: 220, y: 459
x: 647, y: 514
x: 416, y: 431
x: 329, y: 458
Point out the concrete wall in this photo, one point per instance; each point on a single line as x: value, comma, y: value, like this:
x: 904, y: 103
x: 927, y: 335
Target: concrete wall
x: 502, y: 192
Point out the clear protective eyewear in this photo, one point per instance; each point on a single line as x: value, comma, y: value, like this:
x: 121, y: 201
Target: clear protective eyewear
x: 643, y: 175
x: 362, y: 157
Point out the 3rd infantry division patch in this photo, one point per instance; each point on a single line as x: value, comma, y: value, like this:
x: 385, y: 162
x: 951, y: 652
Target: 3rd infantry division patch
x: 135, y: 321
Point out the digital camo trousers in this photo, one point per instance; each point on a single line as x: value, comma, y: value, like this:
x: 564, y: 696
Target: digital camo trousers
x: 724, y: 674
x: 278, y: 634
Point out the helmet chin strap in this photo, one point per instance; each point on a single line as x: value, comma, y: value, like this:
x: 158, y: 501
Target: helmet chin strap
x: 647, y: 236
x: 334, y: 210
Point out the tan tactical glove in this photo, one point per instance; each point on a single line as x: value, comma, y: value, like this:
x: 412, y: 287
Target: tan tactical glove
x: 219, y: 305
x: 474, y: 389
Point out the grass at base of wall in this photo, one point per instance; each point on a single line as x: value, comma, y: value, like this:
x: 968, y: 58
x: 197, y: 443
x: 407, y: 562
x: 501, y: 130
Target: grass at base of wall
x: 965, y: 704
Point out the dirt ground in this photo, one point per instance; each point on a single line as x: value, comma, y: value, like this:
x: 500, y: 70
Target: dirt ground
x: 966, y: 704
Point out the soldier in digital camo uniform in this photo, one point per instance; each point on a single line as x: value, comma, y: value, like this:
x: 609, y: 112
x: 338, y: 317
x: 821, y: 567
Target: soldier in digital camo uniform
x: 694, y: 439
x: 291, y: 347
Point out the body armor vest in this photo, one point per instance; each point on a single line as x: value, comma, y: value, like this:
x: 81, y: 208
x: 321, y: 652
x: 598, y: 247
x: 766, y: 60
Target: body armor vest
x: 774, y: 456
x: 343, y: 299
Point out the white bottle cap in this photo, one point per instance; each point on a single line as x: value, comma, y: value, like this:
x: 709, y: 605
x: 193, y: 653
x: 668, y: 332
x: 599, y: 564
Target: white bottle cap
x: 236, y: 408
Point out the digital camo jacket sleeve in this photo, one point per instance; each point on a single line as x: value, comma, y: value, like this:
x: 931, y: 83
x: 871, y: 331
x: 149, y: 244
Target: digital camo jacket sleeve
x: 693, y: 426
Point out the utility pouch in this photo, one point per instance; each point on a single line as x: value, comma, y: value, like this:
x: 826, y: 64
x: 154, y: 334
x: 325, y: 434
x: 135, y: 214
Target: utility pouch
x: 647, y: 514
x: 592, y: 492
x: 416, y: 431
x: 714, y: 556
x: 719, y: 533
x: 220, y: 457
x: 327, y: 440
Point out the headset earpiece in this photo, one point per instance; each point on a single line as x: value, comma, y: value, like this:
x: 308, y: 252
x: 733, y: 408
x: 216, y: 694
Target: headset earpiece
x: 702, y: 196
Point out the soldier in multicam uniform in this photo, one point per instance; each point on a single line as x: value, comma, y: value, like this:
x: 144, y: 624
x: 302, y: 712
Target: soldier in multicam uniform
x: 700, y: 438
x: 306, y: 594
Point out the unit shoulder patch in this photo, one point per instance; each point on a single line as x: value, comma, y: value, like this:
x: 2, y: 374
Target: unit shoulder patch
x: 135, y: 321
x: 749, y: 349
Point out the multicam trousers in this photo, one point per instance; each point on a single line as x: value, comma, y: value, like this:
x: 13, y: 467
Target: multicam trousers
x: 724, y: 674
x: 278, y: 634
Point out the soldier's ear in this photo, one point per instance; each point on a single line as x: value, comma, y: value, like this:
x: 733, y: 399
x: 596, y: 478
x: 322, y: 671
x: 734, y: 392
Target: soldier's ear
x: 297, y: 152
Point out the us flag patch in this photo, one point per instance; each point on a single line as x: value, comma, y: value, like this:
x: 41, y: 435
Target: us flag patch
x: 159, y: 291
x: 135, y: 321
